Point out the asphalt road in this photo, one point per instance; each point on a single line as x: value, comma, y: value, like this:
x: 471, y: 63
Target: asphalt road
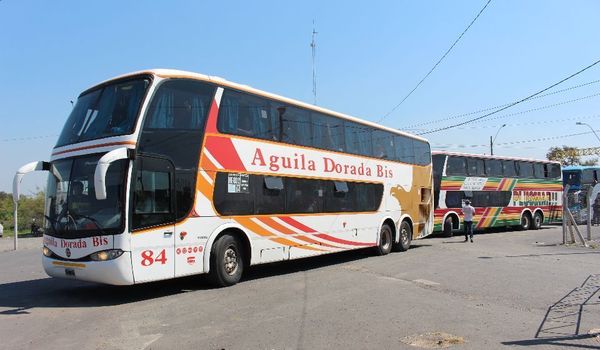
x: 519, y: 289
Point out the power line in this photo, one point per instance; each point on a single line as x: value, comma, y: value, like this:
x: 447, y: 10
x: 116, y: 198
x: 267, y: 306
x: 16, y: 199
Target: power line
x: 412, y: 126
x: 26, y: 138
x: 514, y: 103
x: 437, y: 63
x: 509, y: 143
x: 537, y: 109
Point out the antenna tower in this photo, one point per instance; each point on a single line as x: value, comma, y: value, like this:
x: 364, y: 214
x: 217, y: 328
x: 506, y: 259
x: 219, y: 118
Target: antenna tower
x: 313, y: 45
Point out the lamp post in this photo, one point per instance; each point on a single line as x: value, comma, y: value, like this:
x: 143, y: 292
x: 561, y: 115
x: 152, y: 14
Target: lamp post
x: 589, y: 126
x: 492, y: 140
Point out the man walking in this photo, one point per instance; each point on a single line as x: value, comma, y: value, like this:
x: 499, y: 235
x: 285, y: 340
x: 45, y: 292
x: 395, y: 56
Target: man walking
x: 468, y: 212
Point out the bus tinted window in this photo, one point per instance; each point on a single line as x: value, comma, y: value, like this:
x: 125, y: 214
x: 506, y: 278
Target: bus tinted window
x: 358, y: 139
x: 553, y: 171
x: 456, y: 166
x: 422, y: 152
x: 383, y: 144
x: 589, y: 175
x: 475, y: 167
x: 233, y: 194
x: 328, y: 132
x: 509, y: 168
x: 304, y: 196
x: 525, y: 169
x: 296, y: 126
x: 493, y: 167
x: 454, y: 199
x: 270, y: 194
x: 405, y: 151
x: 539, y: 171
x: 246, y: 115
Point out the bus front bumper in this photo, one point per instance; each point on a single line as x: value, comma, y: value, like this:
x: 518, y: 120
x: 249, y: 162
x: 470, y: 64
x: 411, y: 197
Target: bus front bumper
x: 115, y: 272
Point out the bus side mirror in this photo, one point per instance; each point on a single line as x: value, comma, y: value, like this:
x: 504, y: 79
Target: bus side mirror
x: 27, y: 168
x: 102, y: 168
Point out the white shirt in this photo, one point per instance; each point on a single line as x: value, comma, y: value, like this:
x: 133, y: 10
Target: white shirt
x: 1, y: 229
x: 468, y: 212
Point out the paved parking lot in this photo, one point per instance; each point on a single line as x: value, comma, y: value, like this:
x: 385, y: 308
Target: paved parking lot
x: 507, y: 289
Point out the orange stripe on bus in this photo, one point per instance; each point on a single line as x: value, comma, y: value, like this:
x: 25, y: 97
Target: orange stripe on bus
x: 277, y: 226
x: 259, y: 230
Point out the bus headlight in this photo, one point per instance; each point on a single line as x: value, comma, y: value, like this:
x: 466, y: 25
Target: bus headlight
x: 47, y: 252
x: 106, y: 255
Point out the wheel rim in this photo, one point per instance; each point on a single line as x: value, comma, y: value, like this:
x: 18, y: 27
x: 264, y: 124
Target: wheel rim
x: 385, y: 239
x: 525, y: 222
x: 230, y: 261
x: 404, y: 236
x: 538, y: 221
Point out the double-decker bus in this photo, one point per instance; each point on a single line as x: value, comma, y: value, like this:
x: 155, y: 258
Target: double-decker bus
x: 580, y: 180
x: 504, y: 191
x: 161, y: 173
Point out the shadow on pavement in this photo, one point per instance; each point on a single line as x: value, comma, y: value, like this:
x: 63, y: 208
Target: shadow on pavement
x: 53, y: 292
x: 562, y: 323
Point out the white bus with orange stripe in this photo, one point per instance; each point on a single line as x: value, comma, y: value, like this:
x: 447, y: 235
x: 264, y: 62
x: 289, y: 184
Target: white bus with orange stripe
x: 161, y: 173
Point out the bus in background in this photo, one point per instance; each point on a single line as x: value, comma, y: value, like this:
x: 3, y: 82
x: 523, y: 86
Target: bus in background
x: 162, y: 173
x: 504, y: 191
x: 580, y: 179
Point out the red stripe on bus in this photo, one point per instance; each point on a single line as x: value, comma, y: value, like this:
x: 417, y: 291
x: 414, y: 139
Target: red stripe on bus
x: 225, y: 153
x: 288, y: 220
x: 211, y: 123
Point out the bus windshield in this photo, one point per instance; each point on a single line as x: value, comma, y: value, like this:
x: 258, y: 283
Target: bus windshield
x: 72, y: 210
x: 572, y: 177
x: 109, y: 110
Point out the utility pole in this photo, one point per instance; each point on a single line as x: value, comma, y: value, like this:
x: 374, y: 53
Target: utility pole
x: 313, y: 45
x: 491, y: 146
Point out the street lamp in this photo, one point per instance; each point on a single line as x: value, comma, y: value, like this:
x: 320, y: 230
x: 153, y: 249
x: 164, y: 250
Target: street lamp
x: 589, y: 126
x: 492, y: 140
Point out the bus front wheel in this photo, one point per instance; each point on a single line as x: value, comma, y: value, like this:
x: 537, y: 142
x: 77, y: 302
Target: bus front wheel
x: 227, y: 261
x: 447, y: 232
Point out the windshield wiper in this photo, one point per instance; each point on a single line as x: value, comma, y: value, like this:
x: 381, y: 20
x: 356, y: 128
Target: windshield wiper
x: 75, y: 215
x: 51, y: 224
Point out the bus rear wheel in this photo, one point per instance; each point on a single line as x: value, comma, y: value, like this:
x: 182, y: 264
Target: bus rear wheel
x: 405, y: 237
x: 525, y: 222
x: 538, y: 219
x: 447, y: 232
x: 226, y: 261
x: 386, y: 240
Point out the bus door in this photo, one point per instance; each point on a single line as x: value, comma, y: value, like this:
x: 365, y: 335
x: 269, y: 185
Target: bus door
x: 153, y: 219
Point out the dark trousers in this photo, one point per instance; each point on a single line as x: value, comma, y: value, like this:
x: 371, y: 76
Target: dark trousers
x: 468, y: 229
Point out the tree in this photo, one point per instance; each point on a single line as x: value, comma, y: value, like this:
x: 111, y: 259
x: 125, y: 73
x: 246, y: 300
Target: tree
x: 30, y: 208
x: 566, y: 155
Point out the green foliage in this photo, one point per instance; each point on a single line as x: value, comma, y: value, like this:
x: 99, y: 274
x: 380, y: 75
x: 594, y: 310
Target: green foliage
x: 30, y: 208
x: 566, y: 155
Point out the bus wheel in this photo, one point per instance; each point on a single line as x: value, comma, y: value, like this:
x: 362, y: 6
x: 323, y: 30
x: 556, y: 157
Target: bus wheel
x: 447, y: 227
x: 405, y: 237
x: 525, y: 222
x: 226, y: 261
x: 385, y: 240
x: 537, y: 221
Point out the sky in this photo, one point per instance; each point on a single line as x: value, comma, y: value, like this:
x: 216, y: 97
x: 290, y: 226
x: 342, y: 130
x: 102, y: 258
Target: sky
x: 369, y: 56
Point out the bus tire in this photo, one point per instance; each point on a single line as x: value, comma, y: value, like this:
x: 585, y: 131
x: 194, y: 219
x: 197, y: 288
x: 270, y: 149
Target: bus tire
x: 537, y: 221
x: 405, y: 233
x: 386, y: 239
x: 226, y: 261
x: 525, y: 222
x: 447, y: 232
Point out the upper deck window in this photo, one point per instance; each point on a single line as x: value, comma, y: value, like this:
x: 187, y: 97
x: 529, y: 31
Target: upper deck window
x: 109, y: 110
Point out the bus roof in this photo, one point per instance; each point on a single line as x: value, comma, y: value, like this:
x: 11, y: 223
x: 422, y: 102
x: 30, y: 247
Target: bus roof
x: 174, y: 73
x: 580, y: 167
x: 485, y: 156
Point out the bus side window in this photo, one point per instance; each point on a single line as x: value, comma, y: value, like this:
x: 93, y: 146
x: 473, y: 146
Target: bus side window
x: 525, y: 169
x: 328, y: 132
x: 383, y: 144
x: 456, y: 166
x: 493, y: 167
x: 422, y: 152
x: 475, y: 167
x: 295, y: 126
x: 539, y: 171
x: 405, y: 149
x: 247, y: 115
x: 509, y: 168
x: 358, y: 139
